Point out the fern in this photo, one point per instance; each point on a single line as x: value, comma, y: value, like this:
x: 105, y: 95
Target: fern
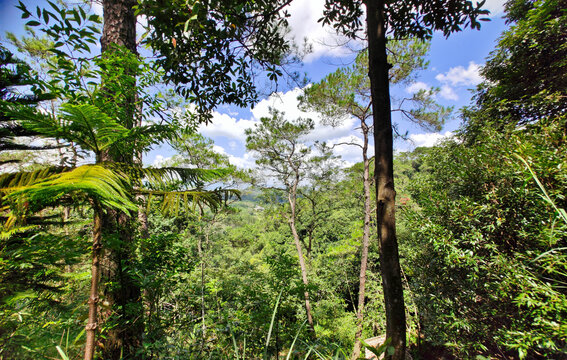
x: 84, y: 124
x: 109, y: 187
x: 162, y: 178
x: 174, y: 201
x: 9, y: 181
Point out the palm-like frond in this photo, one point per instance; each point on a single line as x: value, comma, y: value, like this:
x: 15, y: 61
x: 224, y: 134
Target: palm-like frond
x: 174, y: 201
x: 161, y: 181
x: 10, y: 181
x: 6, y: 232
x: 83, y: 124
x: 109, y: 187
x: 162, y: 178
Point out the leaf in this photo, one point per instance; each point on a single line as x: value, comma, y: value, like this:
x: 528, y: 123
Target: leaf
x: 61, y: 353
x: 378, y: 351
x: 98, y: 182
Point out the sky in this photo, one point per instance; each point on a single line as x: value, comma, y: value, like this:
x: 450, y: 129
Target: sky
x: 454, y: 68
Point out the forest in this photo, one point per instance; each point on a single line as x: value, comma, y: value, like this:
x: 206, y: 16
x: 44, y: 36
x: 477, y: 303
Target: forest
x: 453, y: 251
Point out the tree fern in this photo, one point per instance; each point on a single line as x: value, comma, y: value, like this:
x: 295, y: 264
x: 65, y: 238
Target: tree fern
x: 109, y: 187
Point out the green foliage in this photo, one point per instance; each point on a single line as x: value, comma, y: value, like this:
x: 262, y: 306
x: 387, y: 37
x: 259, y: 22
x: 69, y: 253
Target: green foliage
x: 346, y: 92
x: 16, y: 75
x: 487, y: 281
x: 526, y: 74
x: 211, y: 49
x: 407, y: 18
x: 94, y: 181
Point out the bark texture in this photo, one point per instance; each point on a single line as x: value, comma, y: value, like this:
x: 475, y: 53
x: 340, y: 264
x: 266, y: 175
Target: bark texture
x: 121, y: 310
x: 119, y: 24
x: 385, y: 193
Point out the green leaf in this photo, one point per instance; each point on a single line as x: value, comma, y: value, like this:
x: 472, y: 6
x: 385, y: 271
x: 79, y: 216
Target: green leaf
x: 61, y: 353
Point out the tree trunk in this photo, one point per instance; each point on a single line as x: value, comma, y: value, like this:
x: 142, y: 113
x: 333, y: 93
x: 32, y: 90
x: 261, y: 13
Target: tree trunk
x: 385, y: 193
x: 365, y: 244
x: 292, y: 202
x: 92, y: 324
x: 122, y: 310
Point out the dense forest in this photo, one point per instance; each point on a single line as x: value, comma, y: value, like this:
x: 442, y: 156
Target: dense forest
x: 456, y: 251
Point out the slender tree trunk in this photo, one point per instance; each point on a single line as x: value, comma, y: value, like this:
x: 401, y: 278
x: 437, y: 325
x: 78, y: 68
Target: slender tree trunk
x: 385, y: 193
x: 365, y: 244
x: 203, y: 324
x: 92, y: 324
x: 292, y: 197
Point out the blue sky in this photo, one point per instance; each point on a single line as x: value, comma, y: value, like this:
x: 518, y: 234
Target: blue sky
x: 454, y: 65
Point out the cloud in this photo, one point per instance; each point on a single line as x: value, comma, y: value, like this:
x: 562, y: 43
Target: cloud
x: 428, y: 139
x: 448, y: 93
x: 160, y: 161
x: 417, y: 86
x: 97, y: 8
x: 303, y: 22
x: 350, y: 154
x: 245, y: 161
x: 227, y: 126
x: 287, y: 102
x: 459, y: 76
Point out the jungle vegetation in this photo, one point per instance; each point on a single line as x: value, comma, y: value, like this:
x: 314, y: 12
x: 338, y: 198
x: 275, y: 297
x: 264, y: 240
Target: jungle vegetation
x: 103, y: 257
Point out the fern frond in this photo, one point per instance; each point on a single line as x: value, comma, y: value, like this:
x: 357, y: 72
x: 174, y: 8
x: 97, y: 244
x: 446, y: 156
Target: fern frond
x: 84, y: 124
x: 8, y: 232
x: 109, y: 187
x: 9, y: 181
x: 161, y: 178
x: 174, y: 201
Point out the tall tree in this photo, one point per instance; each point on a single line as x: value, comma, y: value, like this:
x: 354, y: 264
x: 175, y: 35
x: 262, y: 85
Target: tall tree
x: 286, y: 157
x: 403, y: 19
x: 346, y: 93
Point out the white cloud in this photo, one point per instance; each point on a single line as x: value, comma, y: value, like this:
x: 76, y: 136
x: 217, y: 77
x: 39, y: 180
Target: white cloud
x: 227, y: 126
x: 288, y: 103
x: 448, y: 93
x: 351, y: 154
x: 160, y: 161
x: 428, y: 139
x: 417, y: 86
x: 245, y: 161
x: 459, y: 76
x: 96, y: 8
x: 324, y: 40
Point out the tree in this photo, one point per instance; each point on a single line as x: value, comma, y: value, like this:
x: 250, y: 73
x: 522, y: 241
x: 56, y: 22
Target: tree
x: 116, y: 103
x: 287, y: 159
x: 403, y: 19
x: 518, y: 92
x: 503, y: 169
x: 345, y: 93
